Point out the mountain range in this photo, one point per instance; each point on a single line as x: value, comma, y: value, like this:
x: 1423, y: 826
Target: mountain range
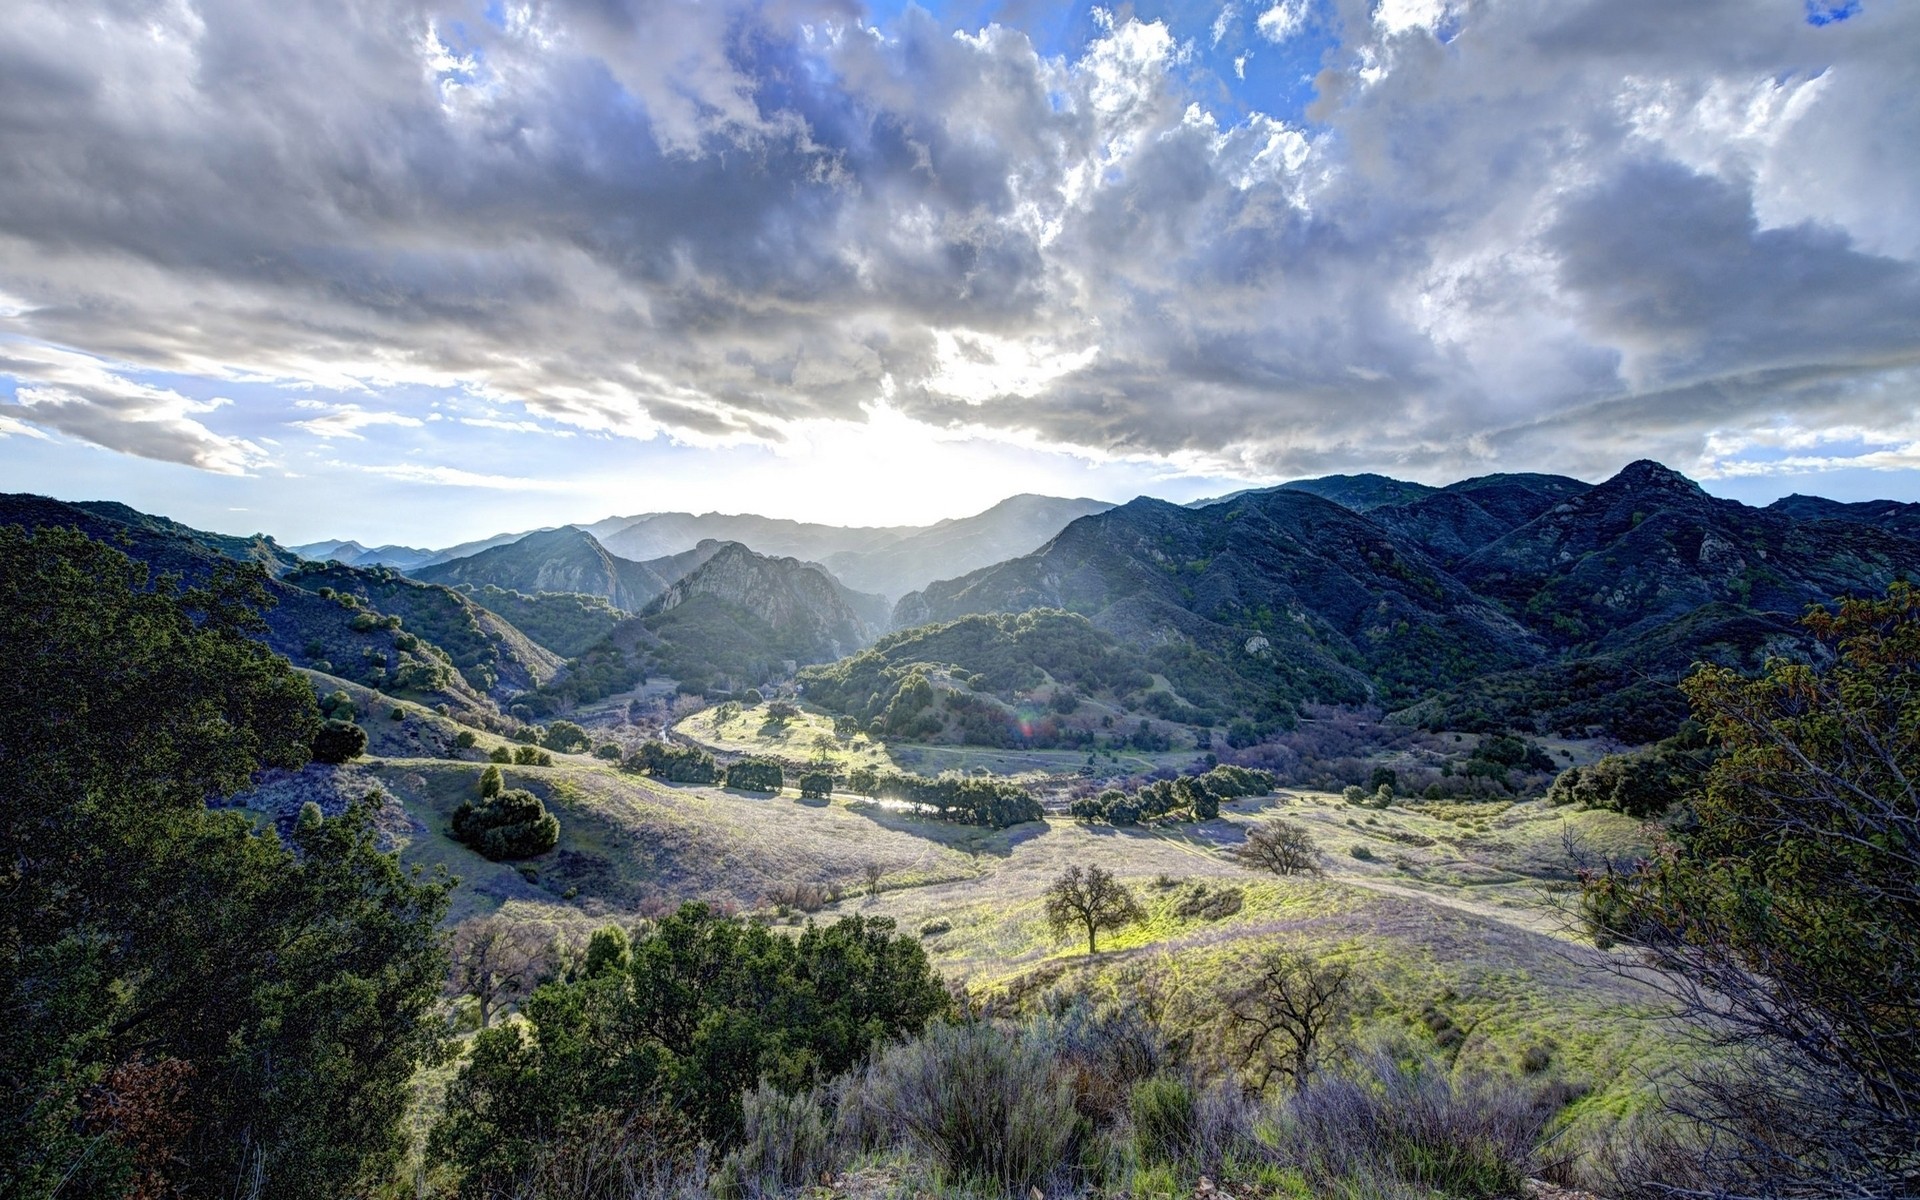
x: 1587, y: 600
x: 1518, y: 601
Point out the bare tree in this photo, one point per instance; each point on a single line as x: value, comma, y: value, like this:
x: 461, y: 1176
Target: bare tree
x: 1092, y: 899
x: 495, y: 961
x: 1281, y: 846
x: 873, y: 872
x: 1286, y: 1013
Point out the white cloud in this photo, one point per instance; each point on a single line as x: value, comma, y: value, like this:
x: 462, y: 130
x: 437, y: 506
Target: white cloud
x: 724, y: 224
x: 347, y: 420
x: 1285, y: 19
x: 95, y: 401
x: 444, y: 476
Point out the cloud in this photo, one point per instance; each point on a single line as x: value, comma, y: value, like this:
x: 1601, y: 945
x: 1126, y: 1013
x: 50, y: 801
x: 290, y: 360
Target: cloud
x: 347, y: 420
x: 90, y: 400
x: 1282, y: 21
x: 720, y: 222
x: 444, y: 476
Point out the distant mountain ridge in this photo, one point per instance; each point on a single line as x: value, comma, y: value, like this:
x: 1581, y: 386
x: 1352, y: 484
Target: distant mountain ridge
x: 887, y: 560
x: 555, y: 560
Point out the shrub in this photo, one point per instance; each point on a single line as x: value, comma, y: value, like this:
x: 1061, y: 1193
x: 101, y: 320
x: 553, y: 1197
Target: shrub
x: 466, y: 739
x: 675, y: 764
x: 982, y: 1101
x: 607, y: 751
x: 565, y: 737
x: 529, y: 756
x: 500, y: 754
x: 1163, y: 1124
x: 512, y: 824
x: 785, y: 1144
x: 1362, y: 853
x: 491, y: 782
x: 339, y: 742
x: 1399, y: 1119
x: 756, y: 775
x: 816, y: 785
x: 935, y: 927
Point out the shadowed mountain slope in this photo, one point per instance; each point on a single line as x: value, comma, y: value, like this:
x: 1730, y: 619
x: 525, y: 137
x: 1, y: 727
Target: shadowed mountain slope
x: 372, y: 626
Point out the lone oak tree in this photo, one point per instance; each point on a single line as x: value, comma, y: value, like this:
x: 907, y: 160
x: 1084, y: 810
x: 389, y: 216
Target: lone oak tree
x: 1091, y: 899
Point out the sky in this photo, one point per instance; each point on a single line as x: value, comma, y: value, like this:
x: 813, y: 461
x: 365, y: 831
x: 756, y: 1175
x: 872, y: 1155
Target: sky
x: 419, y: 271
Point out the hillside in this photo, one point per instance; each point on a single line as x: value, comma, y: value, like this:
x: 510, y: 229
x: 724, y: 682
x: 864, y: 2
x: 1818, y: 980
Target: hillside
x: 1282, y: 593
x: 743, y: 614
x: 555, y: 560
x: 1524, y: 600
x: 1648, y: 546
x: 656, y: 535
x: 1015, y: 526
x: 373, y: 626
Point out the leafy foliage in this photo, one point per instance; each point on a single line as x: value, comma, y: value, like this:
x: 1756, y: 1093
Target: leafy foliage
x: 1793, y: 897
x: 965, y: 800
x: 1642, y: 783
x: 338, y: 742
x: 706, y: 1009
x: 189, y: 1004
x: 506, y: 825
x: 1091, y: 899
x: 675, y: 764
x: 757, y: 775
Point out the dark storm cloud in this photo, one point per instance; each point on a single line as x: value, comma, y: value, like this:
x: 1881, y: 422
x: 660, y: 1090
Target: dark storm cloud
x: 720, y: 219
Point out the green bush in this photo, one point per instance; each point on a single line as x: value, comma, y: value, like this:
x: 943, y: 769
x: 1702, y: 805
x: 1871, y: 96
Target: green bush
x: 512, y: 824
x: 466, y: 739
x: 756, y: 775
x: 339, y: 742
x: 816, y: 785
x: 565, y: 737
x: 675, y: 764
x: 500, y: 754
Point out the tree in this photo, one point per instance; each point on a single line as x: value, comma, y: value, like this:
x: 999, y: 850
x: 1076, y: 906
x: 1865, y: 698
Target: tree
x: 1284, y: 1015
x: 756, y: 775
x: 1091, y: 899
x: 1788, y: 909
x: 490, y: 782
x: 495, y: 961
x: 338, y: 742
x: 705, y: 1009
x: 513, y: 824
x: 267, y: 1004
x: 816, y: 785
x: 565, y: 737
x: 1281, y: 846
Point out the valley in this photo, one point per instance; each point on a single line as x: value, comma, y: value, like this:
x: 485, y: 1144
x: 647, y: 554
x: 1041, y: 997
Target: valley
x: 1470, y: 710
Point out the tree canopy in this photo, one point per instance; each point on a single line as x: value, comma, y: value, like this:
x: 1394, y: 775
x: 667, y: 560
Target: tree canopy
x: 189, y: 1003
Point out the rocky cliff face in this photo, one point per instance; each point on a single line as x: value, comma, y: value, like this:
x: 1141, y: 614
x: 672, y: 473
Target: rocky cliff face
x: 555, y: 560
x: 801, y: 602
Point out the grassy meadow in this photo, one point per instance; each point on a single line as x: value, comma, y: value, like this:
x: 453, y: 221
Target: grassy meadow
x: 1453, y: 914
